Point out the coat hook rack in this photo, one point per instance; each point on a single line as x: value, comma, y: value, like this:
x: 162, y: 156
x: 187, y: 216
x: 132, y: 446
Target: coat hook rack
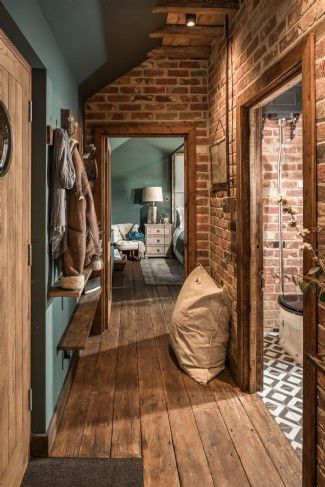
x: 68, y: 123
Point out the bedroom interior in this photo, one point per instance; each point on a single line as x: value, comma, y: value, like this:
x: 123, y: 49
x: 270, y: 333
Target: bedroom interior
x: 162, y: 243
x: 148, y: 206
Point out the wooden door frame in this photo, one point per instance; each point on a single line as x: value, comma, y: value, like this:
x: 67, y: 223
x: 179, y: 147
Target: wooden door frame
x: 299, y: 60
x: 146, y: 129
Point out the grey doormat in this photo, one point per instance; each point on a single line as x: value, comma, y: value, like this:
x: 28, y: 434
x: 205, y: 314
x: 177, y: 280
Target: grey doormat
x: 162, y: 272
x: 84, y: 472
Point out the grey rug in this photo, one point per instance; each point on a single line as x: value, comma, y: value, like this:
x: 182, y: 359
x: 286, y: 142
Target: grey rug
x: 84, y: 472
x: 162, y: 272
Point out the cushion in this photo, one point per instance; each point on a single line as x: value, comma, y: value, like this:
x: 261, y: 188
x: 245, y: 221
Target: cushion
x: 135, y: 236
x: 180, y: 217
x: 199, y: 328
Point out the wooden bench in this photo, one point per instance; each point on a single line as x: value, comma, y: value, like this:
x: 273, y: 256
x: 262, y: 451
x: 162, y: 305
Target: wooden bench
x: 79, y: 326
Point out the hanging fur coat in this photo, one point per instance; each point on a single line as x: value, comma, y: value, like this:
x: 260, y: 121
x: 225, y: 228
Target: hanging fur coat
x: 82, y: 233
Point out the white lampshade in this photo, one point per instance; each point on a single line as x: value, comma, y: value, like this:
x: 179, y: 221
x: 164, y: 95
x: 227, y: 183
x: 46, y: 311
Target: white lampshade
x: 152, y: 193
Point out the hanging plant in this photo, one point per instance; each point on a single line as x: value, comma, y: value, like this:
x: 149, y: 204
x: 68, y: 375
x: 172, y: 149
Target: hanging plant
x: 314, y: 280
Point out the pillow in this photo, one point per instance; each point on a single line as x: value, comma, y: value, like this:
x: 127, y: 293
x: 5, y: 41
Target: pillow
x: 133, y: 235
x: 199, y: 329
x: 180, y: 217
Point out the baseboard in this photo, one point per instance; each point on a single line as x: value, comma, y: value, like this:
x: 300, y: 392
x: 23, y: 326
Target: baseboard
x: 41, y: 444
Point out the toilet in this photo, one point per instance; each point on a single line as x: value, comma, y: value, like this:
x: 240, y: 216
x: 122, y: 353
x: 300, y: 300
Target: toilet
x: 291, y: 325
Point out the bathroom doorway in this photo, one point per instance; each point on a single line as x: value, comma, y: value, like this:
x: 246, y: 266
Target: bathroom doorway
x: 296, y: 66
x: 277, y: 152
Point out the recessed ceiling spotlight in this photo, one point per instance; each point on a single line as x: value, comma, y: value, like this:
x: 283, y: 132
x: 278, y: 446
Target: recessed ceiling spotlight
x: 190, y: 20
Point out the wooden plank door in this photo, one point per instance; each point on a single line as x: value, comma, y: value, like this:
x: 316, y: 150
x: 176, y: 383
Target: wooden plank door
x: 15, y: 93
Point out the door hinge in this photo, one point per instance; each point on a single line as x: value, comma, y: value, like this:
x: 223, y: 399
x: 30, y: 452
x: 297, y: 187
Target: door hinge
x: 30, y: 254
x: 30, y: 110
x: 30, y: 399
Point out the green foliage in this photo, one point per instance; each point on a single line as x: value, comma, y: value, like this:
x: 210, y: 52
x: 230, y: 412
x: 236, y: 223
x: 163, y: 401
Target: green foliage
x: 315, y: 279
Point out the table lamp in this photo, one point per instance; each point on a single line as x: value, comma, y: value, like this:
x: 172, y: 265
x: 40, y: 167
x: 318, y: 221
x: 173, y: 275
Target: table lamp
x: 151, y: 195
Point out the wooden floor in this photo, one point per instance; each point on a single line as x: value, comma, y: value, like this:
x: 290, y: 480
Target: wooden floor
x: 129, y: 399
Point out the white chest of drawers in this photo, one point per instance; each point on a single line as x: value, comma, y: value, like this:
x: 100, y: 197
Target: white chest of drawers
x: 158, y: 239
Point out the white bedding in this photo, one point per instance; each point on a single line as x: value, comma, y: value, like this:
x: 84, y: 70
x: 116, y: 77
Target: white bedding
x: 176, y: 234
x: 178, y: 230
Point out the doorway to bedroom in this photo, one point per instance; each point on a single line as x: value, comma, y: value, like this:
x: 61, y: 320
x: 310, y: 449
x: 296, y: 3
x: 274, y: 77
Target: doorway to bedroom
x: 147, y: 207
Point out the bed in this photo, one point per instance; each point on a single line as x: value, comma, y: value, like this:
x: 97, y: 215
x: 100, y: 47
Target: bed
x: 178, y: 235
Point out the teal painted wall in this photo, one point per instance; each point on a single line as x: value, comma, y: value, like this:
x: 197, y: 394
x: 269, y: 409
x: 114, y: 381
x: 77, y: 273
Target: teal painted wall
x: 61, y: 92
x: 135, y: 164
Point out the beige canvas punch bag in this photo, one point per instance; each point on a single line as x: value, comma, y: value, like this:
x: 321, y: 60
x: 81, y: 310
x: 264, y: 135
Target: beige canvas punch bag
x: 199, y: 328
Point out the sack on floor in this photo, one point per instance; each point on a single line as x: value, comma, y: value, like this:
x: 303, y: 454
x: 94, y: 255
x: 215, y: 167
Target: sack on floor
x: 199, y: 328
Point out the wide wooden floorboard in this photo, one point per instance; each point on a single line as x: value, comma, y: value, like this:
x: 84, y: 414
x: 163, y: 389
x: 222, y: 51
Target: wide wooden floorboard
x: 256, y: 461
x: 126, y: 437
x: 276, y: 444
x: 157, y: 444
x: 97, y: 434
x: 224, y: 462
x: 129, y: 398
x: 69, y: 436
x: 191, y: 460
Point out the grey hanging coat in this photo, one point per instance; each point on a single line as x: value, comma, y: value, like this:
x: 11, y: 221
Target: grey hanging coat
x: 63, y: 178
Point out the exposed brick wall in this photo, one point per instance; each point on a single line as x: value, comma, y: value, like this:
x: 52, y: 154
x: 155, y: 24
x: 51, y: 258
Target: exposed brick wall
x: 163, y: 90
x: 263, y: 31
x: 176, y: 90
x: 291, y: 184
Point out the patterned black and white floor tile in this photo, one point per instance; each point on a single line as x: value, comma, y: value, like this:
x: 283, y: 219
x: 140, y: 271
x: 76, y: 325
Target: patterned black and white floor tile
x: 282, y: 392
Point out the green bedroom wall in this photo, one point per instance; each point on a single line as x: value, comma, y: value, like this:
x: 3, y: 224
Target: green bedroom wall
x: 137, y: 163
x: 50, y: 318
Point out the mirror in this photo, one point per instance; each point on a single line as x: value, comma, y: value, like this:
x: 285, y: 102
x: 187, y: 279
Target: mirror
x: 5, y: 140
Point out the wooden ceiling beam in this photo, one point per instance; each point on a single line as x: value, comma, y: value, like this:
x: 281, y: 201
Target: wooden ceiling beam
x: 197, y: 32
x: 190, y: 52
x: 187, y: 7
